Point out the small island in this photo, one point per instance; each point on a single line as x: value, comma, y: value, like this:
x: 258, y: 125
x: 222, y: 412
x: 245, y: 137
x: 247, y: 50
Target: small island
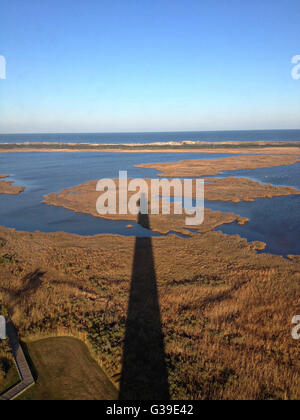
x: 7, y: 187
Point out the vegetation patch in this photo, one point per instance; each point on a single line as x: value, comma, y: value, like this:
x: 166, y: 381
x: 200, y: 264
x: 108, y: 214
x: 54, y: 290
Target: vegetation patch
x: 225, y: 310
x: 65, y: 370
x: 8, y: 372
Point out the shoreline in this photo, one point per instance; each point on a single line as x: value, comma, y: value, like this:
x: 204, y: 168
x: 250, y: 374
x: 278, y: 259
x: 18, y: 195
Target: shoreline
x: 170, y: 147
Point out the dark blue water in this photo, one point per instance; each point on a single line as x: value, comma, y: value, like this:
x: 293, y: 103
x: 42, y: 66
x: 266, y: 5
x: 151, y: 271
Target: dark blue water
x: 280, y: 176
x: 274, y: 221
x: 119, y: 138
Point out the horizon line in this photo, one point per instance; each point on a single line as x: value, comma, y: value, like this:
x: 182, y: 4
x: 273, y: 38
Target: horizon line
x: 146, y: 132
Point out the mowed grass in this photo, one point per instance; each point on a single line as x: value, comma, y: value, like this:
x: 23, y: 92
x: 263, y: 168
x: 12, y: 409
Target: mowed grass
x: 65, y: 370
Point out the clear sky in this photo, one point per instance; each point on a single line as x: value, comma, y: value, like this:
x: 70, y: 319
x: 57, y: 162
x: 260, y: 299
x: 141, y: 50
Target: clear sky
x: 148, y: 65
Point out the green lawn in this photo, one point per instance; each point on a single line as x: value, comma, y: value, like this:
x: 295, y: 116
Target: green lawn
x: 64, y: 370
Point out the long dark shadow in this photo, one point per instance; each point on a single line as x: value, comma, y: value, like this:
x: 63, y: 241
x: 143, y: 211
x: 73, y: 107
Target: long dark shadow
x: 144, y: 372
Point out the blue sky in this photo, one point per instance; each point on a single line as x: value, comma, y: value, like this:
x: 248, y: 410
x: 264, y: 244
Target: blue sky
x: 155, y: 65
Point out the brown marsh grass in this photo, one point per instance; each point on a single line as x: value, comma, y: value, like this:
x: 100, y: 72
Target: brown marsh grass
x: 226, y: 310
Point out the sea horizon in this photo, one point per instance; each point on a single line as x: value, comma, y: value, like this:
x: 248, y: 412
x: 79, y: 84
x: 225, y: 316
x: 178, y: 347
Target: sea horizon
x: 156, y: 136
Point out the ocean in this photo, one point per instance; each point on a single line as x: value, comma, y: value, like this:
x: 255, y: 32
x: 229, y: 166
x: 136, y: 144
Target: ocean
x: 121, y: 138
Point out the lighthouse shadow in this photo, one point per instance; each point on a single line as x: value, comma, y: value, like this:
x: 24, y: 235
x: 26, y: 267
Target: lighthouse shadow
x: 144, y: 372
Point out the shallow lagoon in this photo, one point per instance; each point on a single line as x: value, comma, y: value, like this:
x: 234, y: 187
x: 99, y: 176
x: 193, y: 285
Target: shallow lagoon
x: 43, y: 173
x: 274, y: 221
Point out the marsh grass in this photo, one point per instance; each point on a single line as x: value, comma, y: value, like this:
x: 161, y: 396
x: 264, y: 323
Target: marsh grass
x: 226, y: 311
